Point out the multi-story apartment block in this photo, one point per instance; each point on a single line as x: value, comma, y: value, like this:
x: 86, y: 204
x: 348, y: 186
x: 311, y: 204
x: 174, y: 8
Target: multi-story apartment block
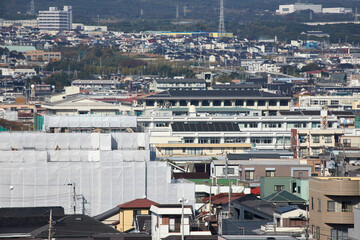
x: 329, y: 101
x: 331, y: 204
x: 55, y: 19
x: 312, y: 142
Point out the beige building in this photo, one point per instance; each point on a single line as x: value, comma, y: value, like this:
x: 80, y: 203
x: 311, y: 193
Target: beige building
x: 312, y: 142
x: 40, y: 55
x: 331, y: 204
x: 198, y: 149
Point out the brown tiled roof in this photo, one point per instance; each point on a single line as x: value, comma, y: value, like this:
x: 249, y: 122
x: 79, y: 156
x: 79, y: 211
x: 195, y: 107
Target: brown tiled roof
x: 223, y: 198
x: 138, y: 203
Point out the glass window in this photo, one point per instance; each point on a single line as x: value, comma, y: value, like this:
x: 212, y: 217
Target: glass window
x: 328, y: 139
x: 319, y: 205
x: 316, y: 138
x: 168, y: 151
x: 330, y: 206
x: 317, y: 233
x: 189, y: 140
x: 270, y: 173
x: 279, y: 188
x: 234, y: 140
x: 249, y: 174
x: 230, y: 171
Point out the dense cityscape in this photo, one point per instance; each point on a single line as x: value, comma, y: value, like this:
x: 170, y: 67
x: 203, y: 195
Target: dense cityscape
x: 198, y: 125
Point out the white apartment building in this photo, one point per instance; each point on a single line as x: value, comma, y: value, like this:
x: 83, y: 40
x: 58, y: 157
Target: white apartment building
x: 55, y: 19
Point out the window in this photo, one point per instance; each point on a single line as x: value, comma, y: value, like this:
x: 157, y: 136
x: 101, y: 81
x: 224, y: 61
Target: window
x: 347, y: 142
x: 279, y: 188
x: 136, y: 213
x: 331, y: 206
x: 251, y: 125
x: 312, y: 203
x: 317, y: 233
x: 230, y: 171
x: 319, y: 205
x: 316, y: 138
x: 346, y: 206
x: 323, y: 102
x: 249, y: 174
x: 168, y: 151
x: 328, y: 139
x: 189, y: 140
x: 334, y: 102
x: 209, y: 140
x: 174, y: 224
x: 161, y: 124
x: 234, y: 140
x: 316, y: 151
x: 339, y: 234
x: 270, y: 173
x: 299, y: 189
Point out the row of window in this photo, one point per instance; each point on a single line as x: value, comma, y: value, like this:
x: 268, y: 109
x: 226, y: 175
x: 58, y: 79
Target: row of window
x: 250, y: 103
x: 333, y: 206
x: 255, y: 140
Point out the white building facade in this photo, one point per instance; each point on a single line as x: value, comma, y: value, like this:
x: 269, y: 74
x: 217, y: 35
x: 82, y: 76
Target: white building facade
x: 55, y: 19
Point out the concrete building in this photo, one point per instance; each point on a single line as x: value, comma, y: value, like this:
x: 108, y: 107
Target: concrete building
x: 312, y: 142
x: 251, y: 171
x: 96, y: 84
x: 291, y: 8
x: 331, y: 204
x: 40, y: 55
x: 158, y: 85
x: 330, y: 101
x: 55, y: 19
x: 267, y: 102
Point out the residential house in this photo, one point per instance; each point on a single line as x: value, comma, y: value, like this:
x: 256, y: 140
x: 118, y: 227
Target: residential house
x: 296, y: 186
x: 173, y: 220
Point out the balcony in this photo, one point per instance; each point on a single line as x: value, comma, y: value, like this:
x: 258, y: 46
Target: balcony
x: 338, y: 217
x: 341, y: 187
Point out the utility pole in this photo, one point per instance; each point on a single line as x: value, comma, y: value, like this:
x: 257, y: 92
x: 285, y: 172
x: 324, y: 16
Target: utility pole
x: 74, y: 195
x: 209, y: 222
x: 182, y: 218
x: 50, y: 224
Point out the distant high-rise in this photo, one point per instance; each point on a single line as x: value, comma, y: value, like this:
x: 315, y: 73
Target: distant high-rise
x: 32, y: 8
x: 221, y: 20
x: 56, y: 20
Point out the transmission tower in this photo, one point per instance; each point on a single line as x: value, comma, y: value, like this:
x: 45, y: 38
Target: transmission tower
x: 356, y: 14
x: 184, y: 11
x: 32, y: 8
x: 177, y: 11
x: 221, y: 20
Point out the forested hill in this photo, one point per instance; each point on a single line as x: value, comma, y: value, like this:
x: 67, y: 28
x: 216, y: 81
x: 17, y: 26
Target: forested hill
x: 206, y: 10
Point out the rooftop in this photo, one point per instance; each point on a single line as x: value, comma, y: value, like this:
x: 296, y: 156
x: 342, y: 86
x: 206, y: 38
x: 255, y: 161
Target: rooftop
x: 137, y: 203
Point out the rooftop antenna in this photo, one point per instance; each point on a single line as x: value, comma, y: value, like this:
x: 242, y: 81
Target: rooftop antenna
x: 221, y: 20
x: 32, y: 7
x: 177, y: 11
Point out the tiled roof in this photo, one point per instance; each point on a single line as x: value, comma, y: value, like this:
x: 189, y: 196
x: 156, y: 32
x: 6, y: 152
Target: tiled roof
x: 223, y: 198
x: 138, y: 203
x: 283, y: 196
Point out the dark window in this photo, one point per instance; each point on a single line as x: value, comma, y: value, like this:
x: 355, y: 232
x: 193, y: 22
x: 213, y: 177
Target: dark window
x: 278, y: 188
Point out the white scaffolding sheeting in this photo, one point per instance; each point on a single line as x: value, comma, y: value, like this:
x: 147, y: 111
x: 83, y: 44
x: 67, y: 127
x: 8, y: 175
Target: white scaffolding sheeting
x: 35, y: 176
x: 89, y: 121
